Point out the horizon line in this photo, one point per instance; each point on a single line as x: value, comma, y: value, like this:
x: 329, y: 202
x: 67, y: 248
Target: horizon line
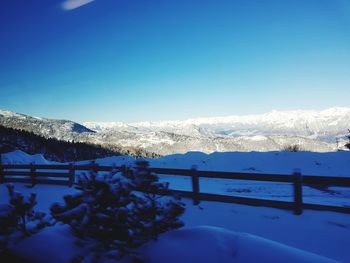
x: 182, y: 120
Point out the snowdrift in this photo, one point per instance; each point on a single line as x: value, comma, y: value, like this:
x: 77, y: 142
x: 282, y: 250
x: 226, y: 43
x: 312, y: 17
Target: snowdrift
x: 205, y: 244
x: 20, y: 157
x: 310, y: 163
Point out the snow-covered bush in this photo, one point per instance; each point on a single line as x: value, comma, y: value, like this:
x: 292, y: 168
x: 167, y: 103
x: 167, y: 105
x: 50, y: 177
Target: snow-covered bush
x: 19, y: 216
x: 122, y: 210
x: 22, y: 208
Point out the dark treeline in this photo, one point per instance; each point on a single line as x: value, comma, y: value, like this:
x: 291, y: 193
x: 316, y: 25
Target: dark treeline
x: 57, y: 150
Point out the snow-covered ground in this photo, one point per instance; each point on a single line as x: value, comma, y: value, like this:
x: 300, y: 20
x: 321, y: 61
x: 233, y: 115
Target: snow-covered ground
x: 310, y: 163
x: 212, y: 244
x: 322, y: 233
x: 325, y: 164
x: 205, y: 244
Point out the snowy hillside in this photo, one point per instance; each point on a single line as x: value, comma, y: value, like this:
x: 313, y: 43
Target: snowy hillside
x: 59, y: 129
x: 325, y: 125
x: 318, y: 131
x: 312, y: 130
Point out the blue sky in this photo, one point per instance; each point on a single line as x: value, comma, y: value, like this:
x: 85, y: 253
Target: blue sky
x: 129, y: 60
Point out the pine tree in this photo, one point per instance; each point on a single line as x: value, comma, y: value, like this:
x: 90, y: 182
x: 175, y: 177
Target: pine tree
x: 121, y: 210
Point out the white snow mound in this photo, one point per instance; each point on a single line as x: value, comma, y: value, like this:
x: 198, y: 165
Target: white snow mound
x: 204, y: 244
x: 20, y: 157
x: 207, y: 244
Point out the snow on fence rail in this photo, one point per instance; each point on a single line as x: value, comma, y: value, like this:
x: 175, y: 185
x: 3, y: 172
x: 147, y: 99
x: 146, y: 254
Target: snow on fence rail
x: 48, y: 174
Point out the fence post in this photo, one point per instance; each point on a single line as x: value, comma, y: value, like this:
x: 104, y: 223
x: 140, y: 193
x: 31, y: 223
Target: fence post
x: 94, y: 168
x: 195, y: 185
x: 2, y: 174
x: 113, y: 170
x: 122, y: 169
x: 32, y: 173
x: 71, y: 174
x: 298, y: 192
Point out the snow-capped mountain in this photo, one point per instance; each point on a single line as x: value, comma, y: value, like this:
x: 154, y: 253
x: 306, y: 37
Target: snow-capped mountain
x: 49, y: 128
x: 312, y: 130
x: 309, y: 129
x: 325, y: 125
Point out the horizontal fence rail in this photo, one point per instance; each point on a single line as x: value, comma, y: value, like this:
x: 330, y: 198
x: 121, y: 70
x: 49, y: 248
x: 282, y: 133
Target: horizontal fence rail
x: 65, y: 174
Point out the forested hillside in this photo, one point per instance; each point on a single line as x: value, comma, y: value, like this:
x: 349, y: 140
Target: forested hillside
x: 58, y: 150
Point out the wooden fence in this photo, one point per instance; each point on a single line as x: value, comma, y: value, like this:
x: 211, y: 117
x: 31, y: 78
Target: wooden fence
x: 65, y: 174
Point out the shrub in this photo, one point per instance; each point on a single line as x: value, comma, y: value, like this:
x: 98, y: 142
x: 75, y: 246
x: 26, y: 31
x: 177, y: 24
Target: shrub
x: 19, y: 213
x: 21, y: 209
x: 122, y: 211
x: 292, y: 148
x: 19, y: 216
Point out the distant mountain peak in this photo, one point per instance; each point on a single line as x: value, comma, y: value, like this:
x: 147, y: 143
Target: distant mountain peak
x: 313, y: 130
x: 10, y: 114
x: 59, y: 129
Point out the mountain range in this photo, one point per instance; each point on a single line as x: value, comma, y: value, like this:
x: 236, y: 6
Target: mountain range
x: 310, y: 130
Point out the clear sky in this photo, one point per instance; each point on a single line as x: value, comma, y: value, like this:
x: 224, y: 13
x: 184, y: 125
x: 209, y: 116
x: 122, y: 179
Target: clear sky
x: 129, y: 60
